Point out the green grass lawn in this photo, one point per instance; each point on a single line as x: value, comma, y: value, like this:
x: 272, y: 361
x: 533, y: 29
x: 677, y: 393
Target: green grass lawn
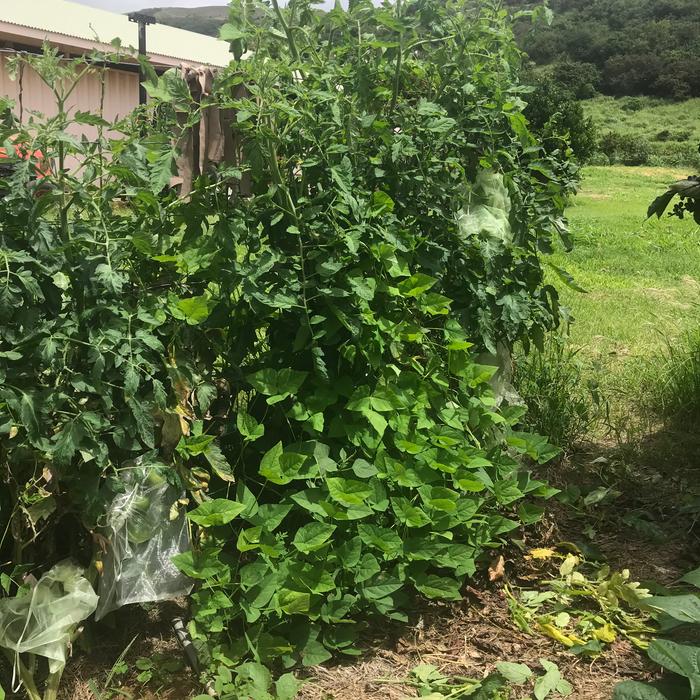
x: 642, y: 277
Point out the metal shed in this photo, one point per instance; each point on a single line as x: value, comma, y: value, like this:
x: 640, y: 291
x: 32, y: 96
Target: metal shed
x: 76, y: 30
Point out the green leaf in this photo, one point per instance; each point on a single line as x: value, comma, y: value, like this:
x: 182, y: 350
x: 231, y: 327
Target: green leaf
x: 684, y: 608
x: 286, y: 687
x: 416, y: 284
x: 109, y: 278
x: 278, y: 384
x: 66, y: 442
x: 514, y: 673
x: 377, y: 421
x: 683, y: 659
x: 381, y: 538
x: 408, y: 514
x: 200, y: 565
x: 230, y: 32
x: 368, y: 567
x: 294, y: 602
x: 434, y: 586
x: 194, y: 310
x: 634, y: 690
x: 548, y: 683
x: 282, y: 467
x: 216, y: 512
x: 692, y: 577
x: 439, y: 498
x: 28, y: 417
x: 382, y: 203
x: 363, y: 469
x: 248, y: 427
x: 348, y: 492
x: 313, y: 536
x: 314, y: 653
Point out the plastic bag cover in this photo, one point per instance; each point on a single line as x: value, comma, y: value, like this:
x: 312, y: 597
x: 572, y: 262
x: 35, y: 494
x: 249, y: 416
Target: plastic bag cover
x: 142, y: 539
x: 487, y: 209
x: 42, y: 621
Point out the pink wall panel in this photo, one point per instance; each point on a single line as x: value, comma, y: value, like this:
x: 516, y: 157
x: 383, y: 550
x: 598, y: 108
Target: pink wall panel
x: 120, y: 96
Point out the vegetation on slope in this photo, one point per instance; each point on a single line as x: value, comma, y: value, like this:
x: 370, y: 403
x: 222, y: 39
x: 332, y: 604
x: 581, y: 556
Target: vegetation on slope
x: 624, y: 47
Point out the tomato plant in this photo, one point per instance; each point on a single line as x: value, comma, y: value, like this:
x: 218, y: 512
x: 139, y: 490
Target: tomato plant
x: 295, y: 342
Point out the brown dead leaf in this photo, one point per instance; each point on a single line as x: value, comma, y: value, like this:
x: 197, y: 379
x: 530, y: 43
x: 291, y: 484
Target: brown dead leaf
x: 497, y: 569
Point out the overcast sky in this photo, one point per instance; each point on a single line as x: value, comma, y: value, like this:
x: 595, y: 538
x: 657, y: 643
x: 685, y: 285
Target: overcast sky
x: 130, y: 5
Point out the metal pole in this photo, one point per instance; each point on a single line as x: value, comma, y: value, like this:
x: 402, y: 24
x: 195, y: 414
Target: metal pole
x: 142, y: 52
x: 143, y: 21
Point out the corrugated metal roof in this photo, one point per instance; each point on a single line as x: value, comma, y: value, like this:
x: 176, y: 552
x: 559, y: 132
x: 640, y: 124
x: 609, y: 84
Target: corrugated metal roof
x: 88, y: 23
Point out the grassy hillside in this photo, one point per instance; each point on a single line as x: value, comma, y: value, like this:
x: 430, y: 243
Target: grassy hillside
x: 668, y: 132
x: 203, y: 20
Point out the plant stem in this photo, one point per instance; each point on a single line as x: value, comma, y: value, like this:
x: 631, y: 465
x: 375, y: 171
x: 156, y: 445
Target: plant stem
x: 52, y: 685
x: 288, y: 34
x: 399, y: 62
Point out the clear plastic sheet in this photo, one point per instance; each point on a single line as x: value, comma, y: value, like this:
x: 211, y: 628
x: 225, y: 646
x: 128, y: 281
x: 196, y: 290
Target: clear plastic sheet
x: 487, y: 209
x: 145, y: 529
x: 42, y: 620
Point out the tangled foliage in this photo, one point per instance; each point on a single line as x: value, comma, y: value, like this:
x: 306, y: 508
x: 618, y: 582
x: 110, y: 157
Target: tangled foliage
x: 304, y: 325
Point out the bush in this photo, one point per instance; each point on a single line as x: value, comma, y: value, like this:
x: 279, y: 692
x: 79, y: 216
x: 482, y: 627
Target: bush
x: 675, y: 155
x: 633, y: 104
x: 557, y: 116
x: 581, y: 79
x: 561, y: 402
x: 598, y: 158
x: 625, y: 149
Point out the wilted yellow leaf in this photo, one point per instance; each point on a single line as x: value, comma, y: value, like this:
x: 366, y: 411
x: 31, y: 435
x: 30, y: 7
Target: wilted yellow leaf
x: 541, y: 553
x: 556, y: 634
x: 606, y: 633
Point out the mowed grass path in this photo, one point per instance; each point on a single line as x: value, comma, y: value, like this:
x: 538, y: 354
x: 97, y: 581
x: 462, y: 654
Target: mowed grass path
x: 642, y: 277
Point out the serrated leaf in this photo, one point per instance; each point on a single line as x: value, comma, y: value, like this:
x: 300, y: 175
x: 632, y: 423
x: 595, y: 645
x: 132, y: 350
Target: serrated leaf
x: 416, y: 284
x: 28, y: 417
x: 194, y: 310
x: 66, y: 442
x: 109, y: 278
x: 277, y: 382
